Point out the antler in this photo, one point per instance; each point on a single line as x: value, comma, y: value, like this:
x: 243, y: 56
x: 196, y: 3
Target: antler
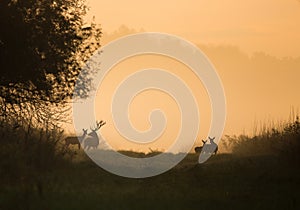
x: 98, y: 125
x: 211, y: 138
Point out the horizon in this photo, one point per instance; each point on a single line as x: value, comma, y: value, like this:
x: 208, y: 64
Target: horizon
x: 258, y: 67
x: 227, y: 60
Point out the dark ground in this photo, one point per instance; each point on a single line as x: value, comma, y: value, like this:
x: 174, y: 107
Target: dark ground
x: 225, y: 181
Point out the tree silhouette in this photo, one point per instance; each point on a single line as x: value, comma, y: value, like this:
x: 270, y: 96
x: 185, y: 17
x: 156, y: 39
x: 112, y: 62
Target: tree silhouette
x: 43, y: 45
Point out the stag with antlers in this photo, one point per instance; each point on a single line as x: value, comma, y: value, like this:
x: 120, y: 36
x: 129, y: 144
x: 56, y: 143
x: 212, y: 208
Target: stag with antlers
x: 92, y: 139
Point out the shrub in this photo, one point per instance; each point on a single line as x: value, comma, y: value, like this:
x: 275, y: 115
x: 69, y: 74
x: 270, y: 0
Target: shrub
x: 284, y: 141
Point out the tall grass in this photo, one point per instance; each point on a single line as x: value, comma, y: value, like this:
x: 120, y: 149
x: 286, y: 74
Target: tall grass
x: 30, y: 148
x: 36, y: 174
x: 281, y: 139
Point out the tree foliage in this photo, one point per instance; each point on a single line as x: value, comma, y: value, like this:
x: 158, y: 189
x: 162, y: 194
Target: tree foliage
x: 43, y: 46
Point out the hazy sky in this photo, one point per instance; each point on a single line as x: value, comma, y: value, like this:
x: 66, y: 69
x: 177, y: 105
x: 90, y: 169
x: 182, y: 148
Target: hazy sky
x: 271, y: 26
x: 254, y: 45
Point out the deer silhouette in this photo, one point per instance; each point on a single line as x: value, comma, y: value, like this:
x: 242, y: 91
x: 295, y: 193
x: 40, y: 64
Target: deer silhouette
x: 199, y: 149
x: 213, y: 144
x: 92, y: 139
x: 212, y: 147
x: 75, y: 139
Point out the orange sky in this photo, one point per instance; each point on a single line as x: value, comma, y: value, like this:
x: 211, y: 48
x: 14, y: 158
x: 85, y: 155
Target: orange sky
x: 247, y: 41
x: 271, y: 26
x: 144, y: 103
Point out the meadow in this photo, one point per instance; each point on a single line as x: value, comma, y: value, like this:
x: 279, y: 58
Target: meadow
x: 45, y: 47
x: 261, y: 172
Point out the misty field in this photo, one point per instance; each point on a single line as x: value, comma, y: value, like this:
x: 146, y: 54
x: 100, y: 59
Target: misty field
x: 262, y: 172
x: 47, y: 66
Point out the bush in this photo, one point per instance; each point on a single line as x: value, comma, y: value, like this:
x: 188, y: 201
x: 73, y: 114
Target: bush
x: 284, y: 141
x: 29, y: 152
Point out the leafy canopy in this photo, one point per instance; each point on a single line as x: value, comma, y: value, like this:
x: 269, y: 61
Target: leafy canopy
x: 43, y: 46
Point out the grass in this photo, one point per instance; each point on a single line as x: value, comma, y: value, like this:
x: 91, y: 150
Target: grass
x: 226, y: 181
x: 262, y: 172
